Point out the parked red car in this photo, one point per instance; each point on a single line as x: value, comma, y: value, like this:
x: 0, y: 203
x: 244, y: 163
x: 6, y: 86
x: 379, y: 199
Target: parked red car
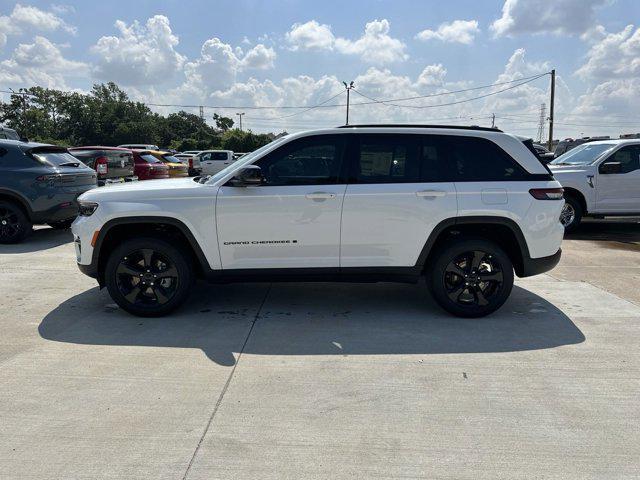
x: 148, y: 167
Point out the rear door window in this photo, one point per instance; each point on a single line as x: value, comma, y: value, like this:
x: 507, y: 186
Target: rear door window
x: 386, y: 158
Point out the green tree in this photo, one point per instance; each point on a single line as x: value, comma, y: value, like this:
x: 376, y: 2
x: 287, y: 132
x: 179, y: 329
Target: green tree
x: 223, y: 123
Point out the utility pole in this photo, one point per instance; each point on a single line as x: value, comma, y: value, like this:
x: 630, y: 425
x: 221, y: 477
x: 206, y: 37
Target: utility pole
x: 348, y: 87
x: 553, y: 97
x: 240, y: 116
x: 201, y: 112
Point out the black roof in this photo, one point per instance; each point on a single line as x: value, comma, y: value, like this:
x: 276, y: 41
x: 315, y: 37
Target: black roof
x: 400, y: 125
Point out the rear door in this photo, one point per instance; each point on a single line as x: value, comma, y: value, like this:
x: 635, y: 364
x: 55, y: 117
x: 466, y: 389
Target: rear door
x: 395, y: 197
x: 620, y: 192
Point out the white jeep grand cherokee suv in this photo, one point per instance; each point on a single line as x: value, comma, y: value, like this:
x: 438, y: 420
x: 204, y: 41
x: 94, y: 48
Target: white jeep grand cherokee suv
x: 600, y: 179
x: 462, y: 207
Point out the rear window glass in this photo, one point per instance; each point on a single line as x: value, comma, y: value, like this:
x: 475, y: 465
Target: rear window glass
x: 57, y: 159
x: 171, y: 159
x: 150, y: 158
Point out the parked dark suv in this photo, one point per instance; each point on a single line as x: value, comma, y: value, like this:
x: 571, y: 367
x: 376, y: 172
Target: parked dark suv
x: 39, y: 184
x: 113, y: 165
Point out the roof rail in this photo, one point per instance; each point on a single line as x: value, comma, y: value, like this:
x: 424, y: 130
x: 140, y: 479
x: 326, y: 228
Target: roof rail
x: 400, y: 125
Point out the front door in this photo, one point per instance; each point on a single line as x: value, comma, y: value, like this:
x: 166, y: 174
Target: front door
x: 620, y: 192
x: 293, y: 220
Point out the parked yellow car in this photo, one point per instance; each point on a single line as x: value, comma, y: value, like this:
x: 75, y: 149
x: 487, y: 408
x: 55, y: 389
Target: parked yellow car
x: 177, y: 168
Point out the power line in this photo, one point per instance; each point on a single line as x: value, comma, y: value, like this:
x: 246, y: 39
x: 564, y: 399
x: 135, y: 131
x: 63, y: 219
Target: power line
x: 322, y: 104
x: 387, y: 102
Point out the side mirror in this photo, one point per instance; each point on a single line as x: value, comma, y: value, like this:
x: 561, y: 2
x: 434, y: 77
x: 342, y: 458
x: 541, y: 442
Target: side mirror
x: 248, y: 176
x: 610, y: 167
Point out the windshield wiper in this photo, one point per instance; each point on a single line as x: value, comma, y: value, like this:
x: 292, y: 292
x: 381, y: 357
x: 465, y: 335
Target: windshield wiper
x: 69, y: 164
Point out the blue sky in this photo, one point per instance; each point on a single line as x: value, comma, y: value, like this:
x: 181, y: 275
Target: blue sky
x: 292, y: 53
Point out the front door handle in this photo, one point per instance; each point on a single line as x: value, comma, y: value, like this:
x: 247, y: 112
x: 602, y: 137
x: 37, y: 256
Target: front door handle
x: 319, y: 195
x: 431, y: 193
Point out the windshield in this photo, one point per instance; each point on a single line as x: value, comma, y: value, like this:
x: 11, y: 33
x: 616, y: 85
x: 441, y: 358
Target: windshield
x: 585, y: 154
x: 246, y: 160
x: 57, y: 159
x: 150, y: 158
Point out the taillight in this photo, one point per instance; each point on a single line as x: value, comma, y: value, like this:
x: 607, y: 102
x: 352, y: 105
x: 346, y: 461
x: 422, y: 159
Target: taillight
x: 190, y: 162
x: 102, y: 165
x: 547, y: 193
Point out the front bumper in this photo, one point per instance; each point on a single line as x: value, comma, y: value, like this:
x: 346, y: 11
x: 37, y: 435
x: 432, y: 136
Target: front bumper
x: 535, y: 266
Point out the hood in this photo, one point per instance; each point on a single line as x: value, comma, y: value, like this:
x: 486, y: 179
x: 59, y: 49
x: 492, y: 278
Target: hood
x: 559, y: 170
x: 148, y: 189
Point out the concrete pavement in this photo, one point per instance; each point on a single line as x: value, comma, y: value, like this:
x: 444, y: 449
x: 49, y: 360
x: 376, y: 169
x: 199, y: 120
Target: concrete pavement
x: 320, y: 380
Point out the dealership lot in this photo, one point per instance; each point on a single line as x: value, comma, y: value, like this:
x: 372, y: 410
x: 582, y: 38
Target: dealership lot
x: 323, y: 381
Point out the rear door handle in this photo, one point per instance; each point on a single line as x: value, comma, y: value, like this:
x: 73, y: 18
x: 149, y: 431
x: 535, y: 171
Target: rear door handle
x: 319, y: 195
x: 431, y: 193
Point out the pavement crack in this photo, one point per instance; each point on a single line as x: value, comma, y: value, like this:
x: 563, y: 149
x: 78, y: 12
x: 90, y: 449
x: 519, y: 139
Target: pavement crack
x: 226, y: 385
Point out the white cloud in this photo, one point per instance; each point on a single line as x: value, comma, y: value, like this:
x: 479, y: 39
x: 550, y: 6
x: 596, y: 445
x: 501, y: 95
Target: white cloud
x: 141, y: 54
x: 27, y: 18
x: 375, y: 46
x: 40, y: 63
x: 610, y: 101
x: 613, y: 55
x: 612, y: 68
x: 432, y: 75
x: 259, y: 58
x: 538, y: 16
x: 310, y: 36
x: 458, y: 31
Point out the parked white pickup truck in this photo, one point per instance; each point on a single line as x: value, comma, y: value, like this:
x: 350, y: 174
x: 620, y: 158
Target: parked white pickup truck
x: 599, y: 179
x: 212, y: 161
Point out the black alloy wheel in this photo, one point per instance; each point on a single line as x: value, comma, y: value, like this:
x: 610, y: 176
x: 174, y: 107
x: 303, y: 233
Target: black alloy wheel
x: 472, y: 278
x: 14, y: 224
x: 148, y: 277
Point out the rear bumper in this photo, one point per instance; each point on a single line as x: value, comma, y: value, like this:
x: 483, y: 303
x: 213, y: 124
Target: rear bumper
x: 535, y: 266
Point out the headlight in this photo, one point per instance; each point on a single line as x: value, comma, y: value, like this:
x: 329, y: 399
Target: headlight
x: 86, y: 209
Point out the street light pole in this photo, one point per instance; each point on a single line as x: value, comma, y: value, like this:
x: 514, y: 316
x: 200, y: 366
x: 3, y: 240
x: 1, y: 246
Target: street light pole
x: 348, y: 87
x: 240, y: 116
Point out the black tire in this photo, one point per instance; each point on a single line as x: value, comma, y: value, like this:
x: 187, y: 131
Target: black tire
x: 488, y: 281
x: 572, y: 213
x: 62, y: 225
x: 148, y: 277
x: 15, y: 226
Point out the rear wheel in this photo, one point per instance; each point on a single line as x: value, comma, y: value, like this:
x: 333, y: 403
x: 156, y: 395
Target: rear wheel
x: 148, y: 277
x: 571, y: 214
x: 14, y: 223
x: 471, y: 278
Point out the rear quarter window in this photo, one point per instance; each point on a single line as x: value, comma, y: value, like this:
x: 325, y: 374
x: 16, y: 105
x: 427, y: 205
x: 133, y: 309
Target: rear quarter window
x: 475, y: 159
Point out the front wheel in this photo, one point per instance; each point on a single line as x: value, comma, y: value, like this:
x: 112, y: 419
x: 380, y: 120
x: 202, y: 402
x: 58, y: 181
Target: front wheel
x: 571, y: 214
x: 148, y: 277
x: 471, y: 278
